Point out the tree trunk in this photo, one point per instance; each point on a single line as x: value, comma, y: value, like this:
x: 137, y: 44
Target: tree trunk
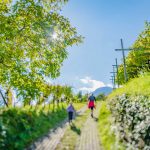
x: 5, y: 102
x: 53, y: 104
x: 9, y: 96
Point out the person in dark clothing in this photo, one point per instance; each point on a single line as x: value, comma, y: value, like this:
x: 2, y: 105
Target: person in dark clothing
x: 91, y: 103
x: 70, y: 110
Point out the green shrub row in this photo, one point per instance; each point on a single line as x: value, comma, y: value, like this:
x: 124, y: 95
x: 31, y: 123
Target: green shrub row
x: 20, y: 127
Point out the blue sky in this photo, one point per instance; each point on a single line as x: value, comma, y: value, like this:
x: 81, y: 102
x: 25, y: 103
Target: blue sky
x: 103, y: 23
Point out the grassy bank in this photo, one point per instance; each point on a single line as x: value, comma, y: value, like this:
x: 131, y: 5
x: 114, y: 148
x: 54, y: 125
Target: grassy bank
x: 137, y: 86
x: 19, y: 127
x: 107, y: 138
x: 127, y: 114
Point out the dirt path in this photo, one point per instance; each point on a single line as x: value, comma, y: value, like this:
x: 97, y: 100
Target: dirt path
x: 50, y: 141
x: 89, y: 139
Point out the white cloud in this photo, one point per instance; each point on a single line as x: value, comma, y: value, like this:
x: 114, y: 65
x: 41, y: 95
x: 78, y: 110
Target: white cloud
x: 109, y: 85
x: 91, y: 85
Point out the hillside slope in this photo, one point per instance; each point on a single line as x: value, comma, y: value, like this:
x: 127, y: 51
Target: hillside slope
x: 126, y: 113
x: 137, y: 86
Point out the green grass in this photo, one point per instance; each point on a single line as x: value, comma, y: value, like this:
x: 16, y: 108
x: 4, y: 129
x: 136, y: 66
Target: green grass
x: 19, y: 127
x: 107, y: 138
x: 137, y: 86
x: 78, y: 106
x: 72, y: 133
x: 23, y: 126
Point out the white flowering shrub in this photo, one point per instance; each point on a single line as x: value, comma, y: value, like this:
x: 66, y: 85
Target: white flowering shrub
x: 131, y: 117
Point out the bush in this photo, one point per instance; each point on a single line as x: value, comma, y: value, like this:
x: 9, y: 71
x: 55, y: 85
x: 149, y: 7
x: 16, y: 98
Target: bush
x: 19, y: 127
x: 132, y: 120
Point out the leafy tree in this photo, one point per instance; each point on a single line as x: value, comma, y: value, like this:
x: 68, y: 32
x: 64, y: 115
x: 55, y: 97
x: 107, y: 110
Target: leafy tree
x: 33, y: 42
x: 9, y: 96
x: 79, y: 95
x: 68, y: 93
x: 85, y: 97
x: 136, y: 61
x: 101, y: 97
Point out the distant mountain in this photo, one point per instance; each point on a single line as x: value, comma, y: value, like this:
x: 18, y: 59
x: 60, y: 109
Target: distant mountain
x: 103, y: 90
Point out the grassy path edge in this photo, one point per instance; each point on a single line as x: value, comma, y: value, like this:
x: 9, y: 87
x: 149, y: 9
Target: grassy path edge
x: 108, y: 140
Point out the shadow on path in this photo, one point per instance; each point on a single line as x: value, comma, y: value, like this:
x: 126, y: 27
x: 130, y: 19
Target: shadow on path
x: 95, y: 119
x: 75, y: 129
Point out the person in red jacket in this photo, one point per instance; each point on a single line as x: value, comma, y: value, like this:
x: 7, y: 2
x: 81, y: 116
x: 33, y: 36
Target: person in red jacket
x: 91, y: 103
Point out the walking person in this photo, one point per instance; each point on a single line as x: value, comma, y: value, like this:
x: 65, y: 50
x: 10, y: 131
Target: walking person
x: 71, y: 111
x: 91, y: 103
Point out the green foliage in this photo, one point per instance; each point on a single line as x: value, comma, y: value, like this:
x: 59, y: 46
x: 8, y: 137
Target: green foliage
x: 101, y: 97
x: 82, y: 97
x: 9, y: 97
x: 129, y: 107
x: 131, y: 120
x: 137, y: 86
x: 136, y: 61
x: 108, y: 140
x: 79, y: 95
x: 21, y: 126
x: 33, y: 42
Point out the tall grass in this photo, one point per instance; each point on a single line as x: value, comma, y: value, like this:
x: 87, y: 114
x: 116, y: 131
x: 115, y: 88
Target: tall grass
x: 108, y: 140
x: 137, y: 86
